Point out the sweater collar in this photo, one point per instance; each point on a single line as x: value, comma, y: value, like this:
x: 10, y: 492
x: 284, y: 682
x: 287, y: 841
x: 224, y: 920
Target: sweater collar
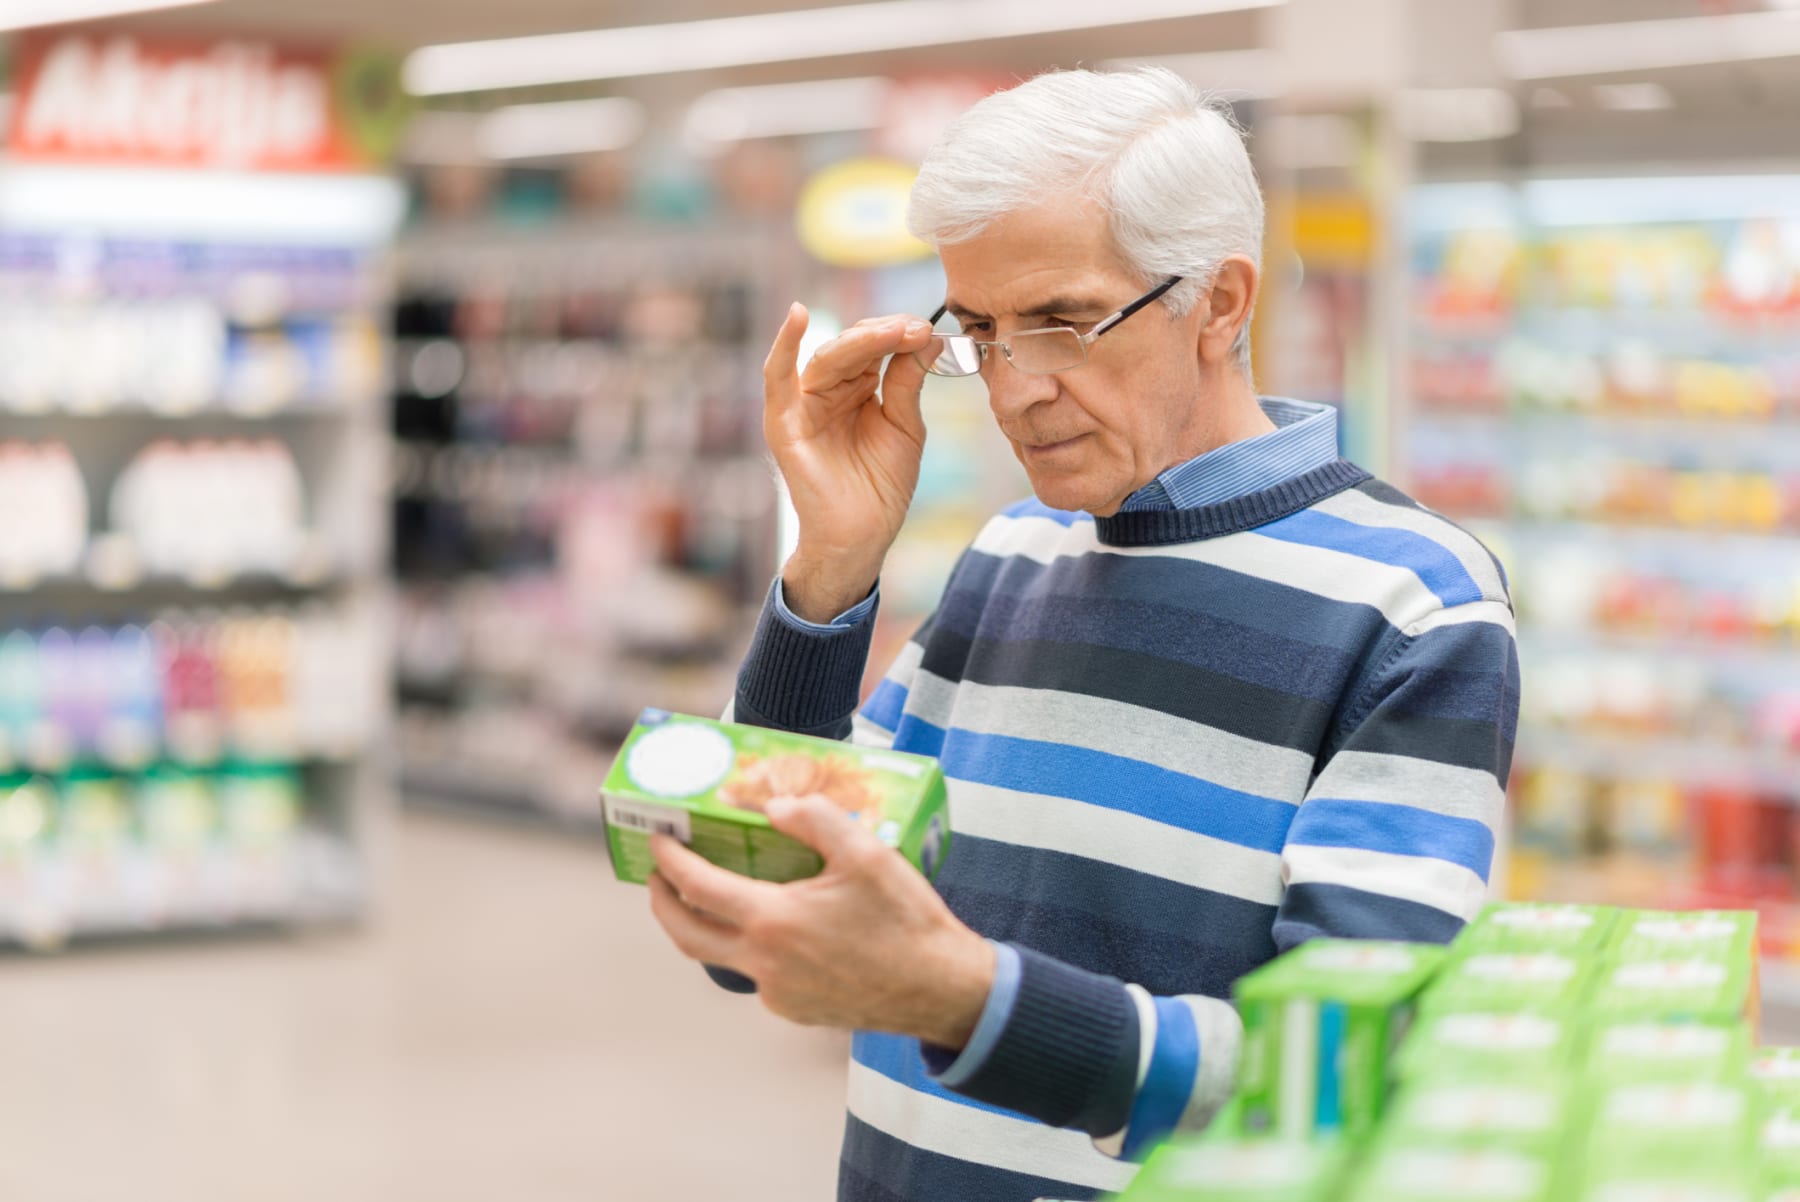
x: 1163, y: 527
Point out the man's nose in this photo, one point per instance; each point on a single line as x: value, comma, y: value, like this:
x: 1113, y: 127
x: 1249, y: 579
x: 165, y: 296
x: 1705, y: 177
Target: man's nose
x: 1011, y: 391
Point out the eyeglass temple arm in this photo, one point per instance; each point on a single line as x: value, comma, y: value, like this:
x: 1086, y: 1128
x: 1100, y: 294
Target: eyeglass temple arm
x: 1134, y: 306
x: 939, y: 315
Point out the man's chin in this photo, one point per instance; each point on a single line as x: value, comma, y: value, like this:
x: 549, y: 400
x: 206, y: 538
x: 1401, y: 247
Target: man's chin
x: 1058, y: 491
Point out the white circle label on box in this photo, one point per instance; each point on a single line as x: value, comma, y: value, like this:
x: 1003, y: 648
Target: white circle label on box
x: 1665, y: 1041
x: 1670, y: 974
x: 1544, y: 918
x: 1499, y: 1032
x: 1541, y: 967
x: 680, y: 760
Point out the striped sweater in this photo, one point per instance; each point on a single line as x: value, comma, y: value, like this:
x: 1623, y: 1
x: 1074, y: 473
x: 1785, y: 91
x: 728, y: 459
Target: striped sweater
x: 1177, y: 743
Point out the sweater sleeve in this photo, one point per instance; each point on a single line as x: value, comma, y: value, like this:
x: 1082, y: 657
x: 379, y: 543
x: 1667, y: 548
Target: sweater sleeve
x: 802, y: 677
x: 1394, y: 840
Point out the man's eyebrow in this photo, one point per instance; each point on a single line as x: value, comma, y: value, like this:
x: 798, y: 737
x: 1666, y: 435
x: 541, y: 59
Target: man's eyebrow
x: 1051, y: 307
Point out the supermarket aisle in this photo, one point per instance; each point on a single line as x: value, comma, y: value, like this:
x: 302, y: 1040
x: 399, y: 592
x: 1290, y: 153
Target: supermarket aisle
x: 512, y: 1030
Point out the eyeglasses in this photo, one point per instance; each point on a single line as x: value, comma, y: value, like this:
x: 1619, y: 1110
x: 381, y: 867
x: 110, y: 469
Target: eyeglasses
x: 1037, y: 352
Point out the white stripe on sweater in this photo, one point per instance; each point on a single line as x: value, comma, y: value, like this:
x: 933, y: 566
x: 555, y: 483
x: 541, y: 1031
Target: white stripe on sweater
x: 1423, y: 879
x: 1000, y: 1141
x: 1131, y: 841
x: 1397, y: 593
x: 1423, y: 784
x: 1146, y: 735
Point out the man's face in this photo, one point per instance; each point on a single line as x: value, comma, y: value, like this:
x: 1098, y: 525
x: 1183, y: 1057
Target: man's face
x: 1091, y: 436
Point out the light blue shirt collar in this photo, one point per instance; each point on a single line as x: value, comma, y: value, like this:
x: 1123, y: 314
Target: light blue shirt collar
x: 1305, y: 438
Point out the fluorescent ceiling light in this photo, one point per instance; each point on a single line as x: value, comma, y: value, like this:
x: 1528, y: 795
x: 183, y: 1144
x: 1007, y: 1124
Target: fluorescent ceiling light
x: 1458, y: 114
x: 1645, y: 45
x: 205, y: 206
x: 1633, y: 97
x: 1230, y: 74
x: 532, y: 131
x: 23, y: 14
x: 771, y: 38
x: 778, y: 110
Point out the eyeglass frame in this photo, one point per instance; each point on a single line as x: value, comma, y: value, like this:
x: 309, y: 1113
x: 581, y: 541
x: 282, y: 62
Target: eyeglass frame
x: 1100, y: 327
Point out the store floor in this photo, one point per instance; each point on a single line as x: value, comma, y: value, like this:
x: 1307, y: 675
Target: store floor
x: 511, y: 1029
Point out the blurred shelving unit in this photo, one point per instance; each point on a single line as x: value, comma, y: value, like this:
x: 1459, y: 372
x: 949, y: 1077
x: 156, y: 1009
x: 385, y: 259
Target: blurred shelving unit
x: 1605, y: 386
x: 194, y: 616
x: 584, y: 514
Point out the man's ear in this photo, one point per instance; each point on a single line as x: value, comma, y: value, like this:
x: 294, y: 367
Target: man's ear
x: 1226, y: 307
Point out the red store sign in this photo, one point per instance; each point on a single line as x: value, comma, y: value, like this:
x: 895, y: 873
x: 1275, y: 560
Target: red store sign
x: 245, y: 104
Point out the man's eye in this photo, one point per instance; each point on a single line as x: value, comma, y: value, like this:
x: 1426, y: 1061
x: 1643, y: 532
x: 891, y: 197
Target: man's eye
x: 978, y: 329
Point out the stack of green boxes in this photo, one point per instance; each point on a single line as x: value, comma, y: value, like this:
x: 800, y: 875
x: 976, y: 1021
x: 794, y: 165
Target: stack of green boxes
x: 1552, y: 1054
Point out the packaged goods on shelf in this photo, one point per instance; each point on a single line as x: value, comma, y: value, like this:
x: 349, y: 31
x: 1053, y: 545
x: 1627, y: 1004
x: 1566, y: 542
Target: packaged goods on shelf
x: 1320, y: 1026
x: 43, y: 511
x: 1241, y: 1170
x: 189, y: 687
x: 708, y: 784
x: 1489, y: 1045
x: 92, y: 851
x: 1665, y: 1049
x: 1573, y: 1100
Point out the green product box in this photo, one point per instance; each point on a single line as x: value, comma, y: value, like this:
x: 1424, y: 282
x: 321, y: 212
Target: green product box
x: 707, y: 783
x: 1237, y: 1170
x: 1633, y: 1049
x: 1778, y: 1142
x: 1728, y: 935
x: 1632, y: 1180
x: 1320, y: 1028
x: 1538, y: 981
x: 1488, y: 1045
x: 1777, y: 1072
x: 1704, y: 985
x: 1522, y: 1114
x: 1401, y: 1172
x: 1538, y: 926
x: 1672, y: 1125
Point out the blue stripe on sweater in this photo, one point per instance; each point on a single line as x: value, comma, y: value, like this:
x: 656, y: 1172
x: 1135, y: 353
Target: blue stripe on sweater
x: 1397, y: 829
x: 1132, y: 786
x: 897, y: 1058
x: 1426, y: 558
x: 885, y: 705
x: 1031, y: 507
x: 1170, y: 1082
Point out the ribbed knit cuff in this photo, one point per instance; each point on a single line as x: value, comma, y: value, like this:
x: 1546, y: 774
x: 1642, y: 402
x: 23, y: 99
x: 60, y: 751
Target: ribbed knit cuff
x: 807, y: 681
x: 1069, y: 1053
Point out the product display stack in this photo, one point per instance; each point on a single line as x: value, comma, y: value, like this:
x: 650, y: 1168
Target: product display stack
x: 1554, y: 1053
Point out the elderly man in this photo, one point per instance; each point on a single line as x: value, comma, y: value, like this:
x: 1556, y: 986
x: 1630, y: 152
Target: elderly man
x: 1214, y: 692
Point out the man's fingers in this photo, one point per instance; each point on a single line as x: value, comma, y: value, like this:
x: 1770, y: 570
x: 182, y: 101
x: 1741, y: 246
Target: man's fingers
x: 901, y: 384
x: 821, y: 825
x: 704, y: 886
x: 782, y: 365
x: 858, y: 349
x: 695, y: 935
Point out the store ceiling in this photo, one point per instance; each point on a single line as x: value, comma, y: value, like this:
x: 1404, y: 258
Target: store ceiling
x: 420, y: 22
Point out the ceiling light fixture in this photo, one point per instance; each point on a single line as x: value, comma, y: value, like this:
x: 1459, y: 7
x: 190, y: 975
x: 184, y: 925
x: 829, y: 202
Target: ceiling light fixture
x: 24, y: 14
x: 564, y: 127
x: 770, y: 38
x: 779, y: 110
x: 1646, y: 45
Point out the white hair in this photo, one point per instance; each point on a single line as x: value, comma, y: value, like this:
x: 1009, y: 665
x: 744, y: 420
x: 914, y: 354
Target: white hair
x: 1167, y: 164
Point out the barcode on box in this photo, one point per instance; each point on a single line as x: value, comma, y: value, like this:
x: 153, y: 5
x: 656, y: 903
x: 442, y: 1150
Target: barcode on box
x: 650, y: 819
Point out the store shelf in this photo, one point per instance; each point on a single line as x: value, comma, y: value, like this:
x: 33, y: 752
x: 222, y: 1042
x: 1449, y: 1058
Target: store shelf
x: 1684, y: 760
x: 293, y: 412
x: 1733, y: 654
x: 320, y: 882
x: 1640, y: 538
